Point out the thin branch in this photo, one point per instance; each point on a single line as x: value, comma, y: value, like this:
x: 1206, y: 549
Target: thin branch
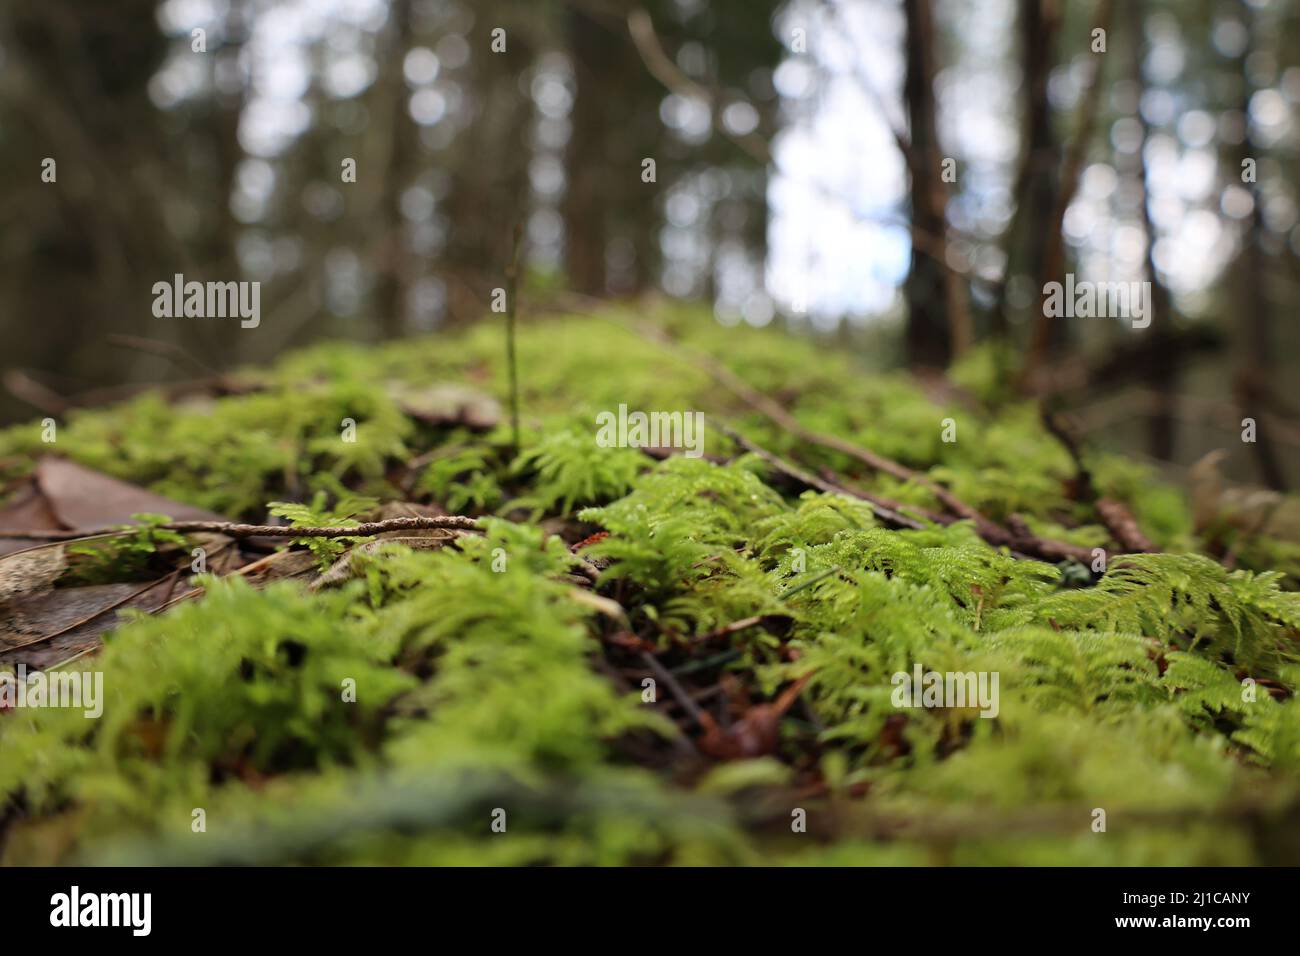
x: 661, y: 66
x: 1115, y: 515
x: 235, y: 530
x: 674, y: 687
x: 807, y: 479
x: 512, y: 360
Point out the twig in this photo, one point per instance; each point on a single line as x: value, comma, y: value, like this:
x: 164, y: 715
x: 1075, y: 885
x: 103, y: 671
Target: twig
x: 819, y: 576
x: 168, y: 350
x: 1122, y: 525
x: 1115, y: 515
x: 661, y: 66
x: 744, y: 624
x: 677, y: 690
x: 234, y: 530
x: 512, y: 291
x: 890, y: 517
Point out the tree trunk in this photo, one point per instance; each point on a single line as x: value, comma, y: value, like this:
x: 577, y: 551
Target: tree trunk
x: 928, y: 343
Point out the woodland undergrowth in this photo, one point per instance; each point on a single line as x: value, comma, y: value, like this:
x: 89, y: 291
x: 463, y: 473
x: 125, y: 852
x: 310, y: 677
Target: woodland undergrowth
x: 507, y: 668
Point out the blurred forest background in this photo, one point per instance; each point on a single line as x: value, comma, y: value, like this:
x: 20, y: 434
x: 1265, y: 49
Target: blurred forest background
x: 799, y: 145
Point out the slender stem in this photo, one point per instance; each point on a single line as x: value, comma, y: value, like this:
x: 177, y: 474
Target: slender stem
x: 235, y: 530
x: 512, y: 292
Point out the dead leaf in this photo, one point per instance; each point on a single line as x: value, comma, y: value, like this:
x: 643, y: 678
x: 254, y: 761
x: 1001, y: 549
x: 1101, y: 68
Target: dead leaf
x: 33, y: 616
x: 278, y: 566
x: 450, y: 404
x: 81, y: 497
x: 28, y: 511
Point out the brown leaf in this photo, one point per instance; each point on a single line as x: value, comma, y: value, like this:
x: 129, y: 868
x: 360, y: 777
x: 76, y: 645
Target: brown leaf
x: 33, y: 616
x: 80, y: 497
x: 450, y: 404
x: 29, y: 511
x: 756, y: 734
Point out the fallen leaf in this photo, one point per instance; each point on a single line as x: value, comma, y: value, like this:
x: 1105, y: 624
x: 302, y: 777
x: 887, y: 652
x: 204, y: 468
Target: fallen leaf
x: 450, y: 404
x: 81, y: 497
x: 33, y: 616
x: 28, y: 511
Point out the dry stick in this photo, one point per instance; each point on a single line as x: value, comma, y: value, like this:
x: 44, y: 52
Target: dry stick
x: 234, y: 530
x: 168, y: 350
x: 809, y: 480
x: 890, y: 503
x: 677, y: 690
x: 744, y: 624
x: 1117, y: 518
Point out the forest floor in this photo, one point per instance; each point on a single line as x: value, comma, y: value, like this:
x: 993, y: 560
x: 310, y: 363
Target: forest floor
x: 328, y: 612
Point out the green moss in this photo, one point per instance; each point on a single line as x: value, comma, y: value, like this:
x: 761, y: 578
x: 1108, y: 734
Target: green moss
x: 384, y: 721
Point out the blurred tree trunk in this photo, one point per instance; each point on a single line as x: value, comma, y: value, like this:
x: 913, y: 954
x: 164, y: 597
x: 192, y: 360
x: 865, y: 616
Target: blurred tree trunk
x: 595, y: 55
x: 489, y: 163
x: 390, y: 245
x: 927, y: 335
x: 1162, y: 428
x: 1255, y: 315
x: 74, y: 89
x: 1035, y: 187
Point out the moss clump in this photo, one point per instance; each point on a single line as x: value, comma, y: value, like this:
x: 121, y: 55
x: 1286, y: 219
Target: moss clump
x: 388, y: 719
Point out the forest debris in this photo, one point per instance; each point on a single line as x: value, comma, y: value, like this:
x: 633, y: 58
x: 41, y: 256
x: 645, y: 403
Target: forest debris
x: 1114, y: 514
x: 809, y: 480
x: 62, y: 499
x: 449, y: 404
x: 278, y: 566
x: 602, y: 605
x: 1122, y: 525
x: 756, y: 734
x: 43, y: 629
x: 27, y: 512
x: 234, y: 529
x: 32, y: 570
x: 344, y: 569
x: 993, y: 533
x: 83, y: 498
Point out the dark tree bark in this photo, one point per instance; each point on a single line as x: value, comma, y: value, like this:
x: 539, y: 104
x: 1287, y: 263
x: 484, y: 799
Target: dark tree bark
x: 1162, y: 427
x: 1036, y: 180
x: 927, y: 339
x: 595, y: 54
x: 1252, y: 386
x: 391, y: 252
